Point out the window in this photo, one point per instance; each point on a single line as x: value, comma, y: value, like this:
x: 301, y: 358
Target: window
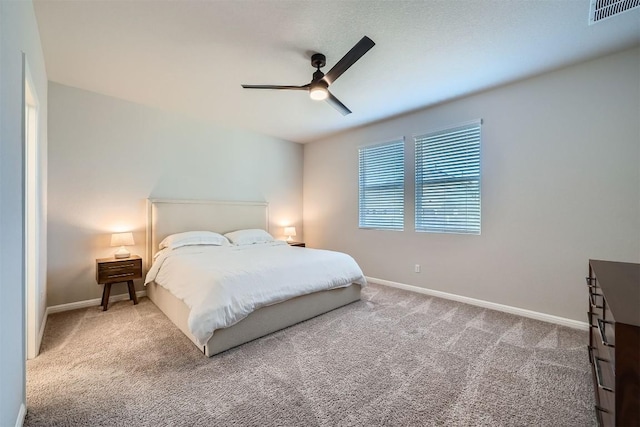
x: 448, y: 180
x: 381, y: 186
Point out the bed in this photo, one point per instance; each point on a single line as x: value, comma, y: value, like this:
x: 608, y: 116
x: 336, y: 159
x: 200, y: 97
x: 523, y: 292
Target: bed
x: 166, y: 217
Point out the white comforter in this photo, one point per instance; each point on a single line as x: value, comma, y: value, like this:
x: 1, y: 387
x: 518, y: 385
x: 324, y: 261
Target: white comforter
x: 224, y: 284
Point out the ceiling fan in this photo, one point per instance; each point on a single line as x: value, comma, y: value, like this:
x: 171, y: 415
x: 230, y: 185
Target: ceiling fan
x: 318, y: 88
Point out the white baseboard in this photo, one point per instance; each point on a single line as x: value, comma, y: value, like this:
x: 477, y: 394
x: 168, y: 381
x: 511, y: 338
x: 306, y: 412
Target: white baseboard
x: 89, y: 303
x: 486, y: 304
x: 21, y: 415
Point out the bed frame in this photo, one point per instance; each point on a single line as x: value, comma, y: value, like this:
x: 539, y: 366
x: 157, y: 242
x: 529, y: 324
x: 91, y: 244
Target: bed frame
x: 168, y: 216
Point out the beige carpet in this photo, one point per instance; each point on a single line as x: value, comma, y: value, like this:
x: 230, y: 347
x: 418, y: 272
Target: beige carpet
x: 395, y: 358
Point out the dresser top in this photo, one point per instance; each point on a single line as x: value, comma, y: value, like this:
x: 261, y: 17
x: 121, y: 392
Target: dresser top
x: 620, y: 284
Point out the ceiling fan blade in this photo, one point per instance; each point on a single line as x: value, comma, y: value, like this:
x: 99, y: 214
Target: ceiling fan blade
x: 335, y: 103
x: 305, y: 87
x: 349, y: 59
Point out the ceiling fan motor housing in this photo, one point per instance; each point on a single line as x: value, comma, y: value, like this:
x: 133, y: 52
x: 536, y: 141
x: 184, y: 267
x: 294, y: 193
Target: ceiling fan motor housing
x: 318, y: 60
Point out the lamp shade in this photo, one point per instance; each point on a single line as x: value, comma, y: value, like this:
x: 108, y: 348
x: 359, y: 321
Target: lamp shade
x: 289, y: 231
x: 122, y: 239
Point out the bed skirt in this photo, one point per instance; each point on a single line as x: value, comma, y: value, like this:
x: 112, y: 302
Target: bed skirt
x: 261, y: 322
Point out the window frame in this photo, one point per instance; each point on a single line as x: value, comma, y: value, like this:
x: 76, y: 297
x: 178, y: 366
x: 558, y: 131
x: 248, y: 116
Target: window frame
x: 419, y: 180
x: 401, y: 141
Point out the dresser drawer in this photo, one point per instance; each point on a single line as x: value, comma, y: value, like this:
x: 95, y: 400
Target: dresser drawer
x: 118, y: 271
x: 603, y: 383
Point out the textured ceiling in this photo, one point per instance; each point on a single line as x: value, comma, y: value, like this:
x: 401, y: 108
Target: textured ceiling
x: 191, y: 56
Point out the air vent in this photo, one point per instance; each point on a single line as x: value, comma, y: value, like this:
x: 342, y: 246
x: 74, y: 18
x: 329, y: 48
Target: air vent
x: 603, y: 9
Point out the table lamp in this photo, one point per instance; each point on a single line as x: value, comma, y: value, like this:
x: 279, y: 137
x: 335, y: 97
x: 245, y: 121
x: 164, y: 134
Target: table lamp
x: 289, y: 231
x: 122, y: 240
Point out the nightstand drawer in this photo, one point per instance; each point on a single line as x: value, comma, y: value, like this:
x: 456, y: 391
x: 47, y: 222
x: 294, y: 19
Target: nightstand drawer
x: 118, y: 271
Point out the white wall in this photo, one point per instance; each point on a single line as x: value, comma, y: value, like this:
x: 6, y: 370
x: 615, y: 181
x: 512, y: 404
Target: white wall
x: 560, y: 185
x: 18, y: 34
x: 107, y: 156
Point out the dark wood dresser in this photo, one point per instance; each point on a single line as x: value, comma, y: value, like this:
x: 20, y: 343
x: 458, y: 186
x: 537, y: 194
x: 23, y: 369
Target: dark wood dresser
x: 614, y: 341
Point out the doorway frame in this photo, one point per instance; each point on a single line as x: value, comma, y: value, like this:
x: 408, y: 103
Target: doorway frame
x: 32, y: 197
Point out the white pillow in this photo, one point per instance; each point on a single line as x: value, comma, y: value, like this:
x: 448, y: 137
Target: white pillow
x: 249, y: 237
x: 193, y: 238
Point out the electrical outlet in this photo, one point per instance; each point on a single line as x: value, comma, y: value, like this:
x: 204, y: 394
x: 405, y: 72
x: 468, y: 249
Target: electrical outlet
x: 417, y: 268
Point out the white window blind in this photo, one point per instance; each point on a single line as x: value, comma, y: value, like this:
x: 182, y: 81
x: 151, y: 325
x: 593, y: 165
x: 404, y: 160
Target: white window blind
x: 381, y: 186
x: 448, y: 180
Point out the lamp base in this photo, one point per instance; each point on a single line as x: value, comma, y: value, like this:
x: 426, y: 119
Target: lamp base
x: 122, y: 253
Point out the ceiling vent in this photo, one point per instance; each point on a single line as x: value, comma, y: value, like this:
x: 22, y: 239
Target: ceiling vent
x: 603, y: 9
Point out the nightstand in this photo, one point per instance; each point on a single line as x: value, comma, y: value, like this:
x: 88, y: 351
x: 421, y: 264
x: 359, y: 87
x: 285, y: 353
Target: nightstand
x: 299, y: 244
x: 112, y: 270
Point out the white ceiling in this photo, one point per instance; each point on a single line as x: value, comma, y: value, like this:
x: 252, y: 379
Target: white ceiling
x: 190, y: 56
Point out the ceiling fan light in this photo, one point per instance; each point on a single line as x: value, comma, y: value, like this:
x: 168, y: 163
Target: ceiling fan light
x: 318, y: 92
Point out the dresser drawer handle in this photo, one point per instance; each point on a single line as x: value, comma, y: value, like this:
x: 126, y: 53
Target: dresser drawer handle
x: 592, y: 300
x: 603, y: 336
x: 120, y: 275
x: 596, y: 362
x: 590, y: 281
x: 590, y: 315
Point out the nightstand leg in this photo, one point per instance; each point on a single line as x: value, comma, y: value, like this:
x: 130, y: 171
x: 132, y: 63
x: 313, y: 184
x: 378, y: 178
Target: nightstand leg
x: 105, y: 296
x: 132, y: 292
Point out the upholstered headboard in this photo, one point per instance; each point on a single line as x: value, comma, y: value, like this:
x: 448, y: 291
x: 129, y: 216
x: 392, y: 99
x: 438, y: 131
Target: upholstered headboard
x: 169, y: 216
